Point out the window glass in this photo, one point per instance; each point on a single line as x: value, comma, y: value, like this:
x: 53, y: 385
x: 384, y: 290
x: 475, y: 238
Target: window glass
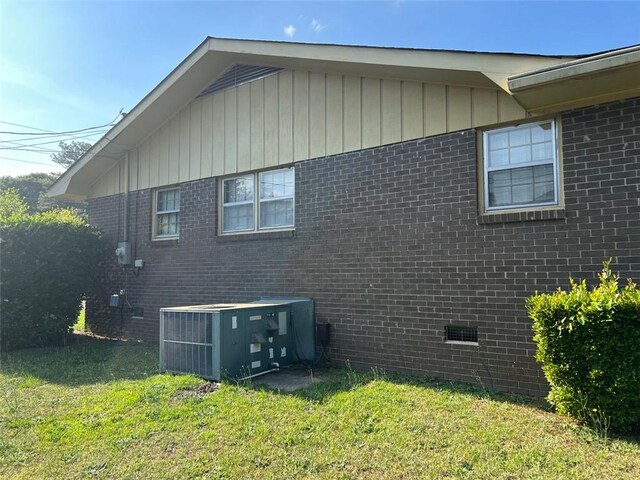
x: 276, y: 198
x: 521, y: 166
x: 265, y: 198
x: 167, y: 216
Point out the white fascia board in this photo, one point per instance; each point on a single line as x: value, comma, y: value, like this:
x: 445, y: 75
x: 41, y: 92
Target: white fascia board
x: 576, y: 68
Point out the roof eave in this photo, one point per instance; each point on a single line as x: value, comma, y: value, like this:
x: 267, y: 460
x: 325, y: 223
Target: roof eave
x: 588, y: 81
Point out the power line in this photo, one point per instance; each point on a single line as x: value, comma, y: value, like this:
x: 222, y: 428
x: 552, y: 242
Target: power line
x: 26, y: 126
x: 29, y: 139
x: 27, y: 161
x: 111, y: 123
x: 28, y: 145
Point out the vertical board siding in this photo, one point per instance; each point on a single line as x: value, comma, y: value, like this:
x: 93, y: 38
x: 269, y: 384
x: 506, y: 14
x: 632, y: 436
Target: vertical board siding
x: 207, y: 136
x: 335, y: 106
x: 271, y: 121
x: 391, y: 111
x: 371, y: 111
x: 317, y: 118
x: 352, y: 114
x: 154, y: 153
x: 296, y: 115
x: 230, y: 131
x: 218, y: 158
x: 257, y: 124
x: 458, y: 108
x: 285, y: 117
x: 412, y: 110
x: 185, y: 141
x: 300, y: 115
x: 163, y: 156
x: 174, y: 149
x: 244, y: 127
x: 195, y: 133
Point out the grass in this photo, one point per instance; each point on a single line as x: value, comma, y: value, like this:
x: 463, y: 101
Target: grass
x: 98, y: 409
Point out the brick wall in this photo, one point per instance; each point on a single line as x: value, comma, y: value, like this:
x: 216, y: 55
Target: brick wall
x: 389, y: 243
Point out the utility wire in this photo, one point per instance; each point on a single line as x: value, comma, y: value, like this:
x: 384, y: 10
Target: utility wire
x: 26, y: 126
x: 48, y: 137
x: 29, y: 145
x: 27, y: 161
x: 111, y: 123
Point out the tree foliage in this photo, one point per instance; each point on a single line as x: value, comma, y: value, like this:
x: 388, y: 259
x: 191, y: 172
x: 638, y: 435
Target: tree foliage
x: 47, y: 263
x: 589, y: 346
x: 32, y: 188
x: 70, y: 152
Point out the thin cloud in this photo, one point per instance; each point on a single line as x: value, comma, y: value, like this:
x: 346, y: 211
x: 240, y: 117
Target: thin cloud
x: 289, y: 31
x: 316, y: 26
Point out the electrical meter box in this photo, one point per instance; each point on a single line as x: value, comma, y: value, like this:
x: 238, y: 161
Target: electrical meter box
x: 237, y: 340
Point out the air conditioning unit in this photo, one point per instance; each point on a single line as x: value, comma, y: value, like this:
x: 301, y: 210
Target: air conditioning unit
x: 237, y: 340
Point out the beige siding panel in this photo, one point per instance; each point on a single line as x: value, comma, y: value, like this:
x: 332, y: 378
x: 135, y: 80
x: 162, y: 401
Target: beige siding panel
x: 185, y: 143
x: 285, y: 117
x: 300, y: 115
x: 257, y: 124
x: 195, y: 138
x: 174, y: 149
x: 484, y: 106
x: 271, y: 114
x: 458, y: 108
x: 371, y: 104
x: 435, y: 109
x: 317, y: 115
x: 207, y: 136
x: 143, y: 165
x: 334, y: 115
x: 509, y: 109
x: 133, y: 169
x: 154, y: 154
x: 391, y: 111
x: 244, y: 127
x: 412, y: 110
x: 230, y: 131
x: 352, y: 114
x: 163, y: 156
x: 218, y: 160
x: 297, y: 115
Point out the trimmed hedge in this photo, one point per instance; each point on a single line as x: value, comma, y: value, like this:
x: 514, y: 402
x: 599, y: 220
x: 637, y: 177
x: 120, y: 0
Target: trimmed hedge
x: 589, y: 346
x: 47, y: 262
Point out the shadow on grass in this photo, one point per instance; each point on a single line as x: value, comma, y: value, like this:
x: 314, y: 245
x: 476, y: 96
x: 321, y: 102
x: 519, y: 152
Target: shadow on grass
x: 85, y: 360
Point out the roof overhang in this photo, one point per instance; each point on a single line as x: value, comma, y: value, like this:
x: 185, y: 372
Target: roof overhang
x: 591, y: 80
x: 214, y: 56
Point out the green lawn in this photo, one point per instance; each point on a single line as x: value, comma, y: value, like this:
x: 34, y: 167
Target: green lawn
x: 99, y: 409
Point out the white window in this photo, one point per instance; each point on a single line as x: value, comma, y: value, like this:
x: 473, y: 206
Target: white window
x: 166, y: 219
x: 258, y: 201
x: 521, y: 166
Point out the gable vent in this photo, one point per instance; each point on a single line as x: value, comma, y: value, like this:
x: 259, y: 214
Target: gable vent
x: 461, y: 334
x: 237, y: 75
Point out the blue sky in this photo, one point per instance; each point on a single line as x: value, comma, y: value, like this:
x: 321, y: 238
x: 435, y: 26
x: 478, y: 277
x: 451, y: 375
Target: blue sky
x: 71, y: 65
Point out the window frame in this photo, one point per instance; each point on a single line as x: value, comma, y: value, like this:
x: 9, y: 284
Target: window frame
x: 156, y: 214
x: 558, y: 192
x: 257, y: 201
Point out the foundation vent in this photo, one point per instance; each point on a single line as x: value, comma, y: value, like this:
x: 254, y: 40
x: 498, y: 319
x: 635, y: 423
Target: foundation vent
x: 458, y: 334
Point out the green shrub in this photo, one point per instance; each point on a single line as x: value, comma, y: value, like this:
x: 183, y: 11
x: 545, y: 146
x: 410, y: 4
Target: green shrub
x: 589, y: 346
x: 47, y: 262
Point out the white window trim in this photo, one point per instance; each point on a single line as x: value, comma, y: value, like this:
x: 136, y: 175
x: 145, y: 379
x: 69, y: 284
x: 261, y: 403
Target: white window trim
x: 154, y: 223
x: 556, y: 169
x: 256, y: 205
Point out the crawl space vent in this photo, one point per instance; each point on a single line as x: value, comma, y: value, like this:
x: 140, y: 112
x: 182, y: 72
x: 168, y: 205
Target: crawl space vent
x: 461, y: 334
x: 237, y: 75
